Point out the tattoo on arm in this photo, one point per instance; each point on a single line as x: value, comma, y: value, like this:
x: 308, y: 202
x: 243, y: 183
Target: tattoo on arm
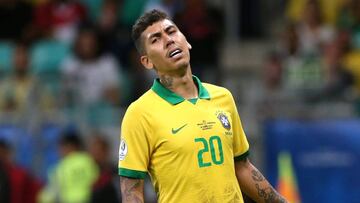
x: 166, y: 81
x: 257, y: 176
x: 132, y: 190
x: 267, y: 193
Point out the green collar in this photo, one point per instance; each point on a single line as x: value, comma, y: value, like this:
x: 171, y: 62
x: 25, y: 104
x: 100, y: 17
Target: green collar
x: 174, y: 98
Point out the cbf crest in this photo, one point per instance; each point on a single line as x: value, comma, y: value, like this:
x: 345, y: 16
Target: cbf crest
x: 224, y: 120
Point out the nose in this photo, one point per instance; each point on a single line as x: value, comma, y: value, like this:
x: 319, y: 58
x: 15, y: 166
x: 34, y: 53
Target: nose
x: 168, y: 40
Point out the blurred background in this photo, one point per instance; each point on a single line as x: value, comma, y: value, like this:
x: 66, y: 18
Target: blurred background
x: 68, y: 71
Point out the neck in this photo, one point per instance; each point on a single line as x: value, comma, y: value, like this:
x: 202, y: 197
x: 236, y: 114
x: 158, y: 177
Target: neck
x: 182, y: 85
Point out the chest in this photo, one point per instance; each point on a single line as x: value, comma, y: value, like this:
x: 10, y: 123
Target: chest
x: 190, y: 129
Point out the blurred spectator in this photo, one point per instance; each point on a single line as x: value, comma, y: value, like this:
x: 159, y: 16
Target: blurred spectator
x: 201, y: 25
x: 107, y: 25
x: 310, y: 61
x: 112, y: 35
x: 313, y: 34
x: 91, y: 77
x: 15, y: 19
x: 104, y: 189
x: 22, y: 186
x: 21, y: 92
x: 72, y: 178
x: 337, y: 78
x: 330, y: 9
x: 60, y: 18
x: 349, y: 21
x: 301, y: 50
x: 273, y: 71
x: 289, y: 43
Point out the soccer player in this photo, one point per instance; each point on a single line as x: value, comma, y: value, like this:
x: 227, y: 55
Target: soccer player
x: 185, y: 134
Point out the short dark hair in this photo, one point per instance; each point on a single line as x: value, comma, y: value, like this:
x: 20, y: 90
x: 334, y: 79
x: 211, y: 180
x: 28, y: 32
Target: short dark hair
x: 143, y: 22
x: 71, y: 137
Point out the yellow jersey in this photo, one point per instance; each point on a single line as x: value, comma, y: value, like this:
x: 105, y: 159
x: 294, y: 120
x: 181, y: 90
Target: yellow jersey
x: 187, y: 147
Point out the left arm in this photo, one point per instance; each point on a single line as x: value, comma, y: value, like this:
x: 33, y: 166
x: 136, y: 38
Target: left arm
x: 254, y: 184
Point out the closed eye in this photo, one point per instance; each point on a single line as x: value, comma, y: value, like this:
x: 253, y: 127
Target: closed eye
x: 154, y: 40
x: 172, y: 31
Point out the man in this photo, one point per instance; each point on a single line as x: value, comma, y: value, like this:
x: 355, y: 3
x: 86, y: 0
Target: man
x: 185, y: 134
x: 72, y: 178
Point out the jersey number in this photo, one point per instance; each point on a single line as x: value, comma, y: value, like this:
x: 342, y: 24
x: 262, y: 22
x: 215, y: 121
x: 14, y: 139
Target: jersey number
x: 215, y: 160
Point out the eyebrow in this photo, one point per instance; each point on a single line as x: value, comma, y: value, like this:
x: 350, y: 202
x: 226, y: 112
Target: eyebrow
x: 158, y: 34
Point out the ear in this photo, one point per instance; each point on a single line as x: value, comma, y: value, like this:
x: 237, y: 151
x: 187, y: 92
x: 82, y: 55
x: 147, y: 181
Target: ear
x: 189, y: 45
x: 146, y: 62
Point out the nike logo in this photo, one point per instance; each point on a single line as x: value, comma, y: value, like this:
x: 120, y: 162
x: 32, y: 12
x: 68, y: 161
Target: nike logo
x: 174, y: 131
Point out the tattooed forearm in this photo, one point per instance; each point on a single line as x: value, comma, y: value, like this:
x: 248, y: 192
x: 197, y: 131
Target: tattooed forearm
x: 266, y: 192
x: 166, y: 81
x: 257, y: 176
x: 132, y: 190
x: 269, y: 194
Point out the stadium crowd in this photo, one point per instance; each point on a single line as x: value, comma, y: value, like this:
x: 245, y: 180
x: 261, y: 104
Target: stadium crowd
x: 317, y: 53
x: 71, y: 64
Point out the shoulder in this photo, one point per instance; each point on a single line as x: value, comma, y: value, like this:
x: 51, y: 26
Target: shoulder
x: 217, y: 91
x: 142, y: 105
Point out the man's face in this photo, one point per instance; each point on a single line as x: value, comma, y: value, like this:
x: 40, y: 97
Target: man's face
x: 166, y: 48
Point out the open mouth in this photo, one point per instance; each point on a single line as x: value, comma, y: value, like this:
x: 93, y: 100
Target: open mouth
x: 174, y: 53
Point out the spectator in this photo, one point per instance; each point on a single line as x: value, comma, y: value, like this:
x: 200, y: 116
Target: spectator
x: 22, y: 186
x: 72, y: 178
x: 90, y: 75
x: 104, y: 189
x: 349, y: 21
x: 60, y: 18
x: 337, y: 78
x: 313, y: 34
x: 111, y: 34
x: 21, y: 92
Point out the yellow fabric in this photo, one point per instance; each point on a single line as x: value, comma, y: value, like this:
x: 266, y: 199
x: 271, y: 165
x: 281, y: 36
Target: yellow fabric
x: 329, y: 10
x: 23, y: 95
x: 185, y: 148
x: 71, y: 180
x: 18, y: 91
x: 352, y: 63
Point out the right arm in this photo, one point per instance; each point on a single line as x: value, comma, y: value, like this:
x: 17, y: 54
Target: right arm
x: 132, y: 190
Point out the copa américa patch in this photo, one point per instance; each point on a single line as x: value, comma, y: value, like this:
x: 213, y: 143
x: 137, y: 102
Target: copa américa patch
x: 123, y: 149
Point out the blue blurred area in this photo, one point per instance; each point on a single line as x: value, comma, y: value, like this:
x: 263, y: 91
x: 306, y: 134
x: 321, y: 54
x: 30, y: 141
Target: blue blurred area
x: 22, y: 143
x: 35, y: 151
x: 325, y: 155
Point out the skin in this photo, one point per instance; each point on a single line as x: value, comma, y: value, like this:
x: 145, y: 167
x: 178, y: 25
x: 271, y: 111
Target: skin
x: 132, y: 190
x: 175, y: 74
x: 254, y: 184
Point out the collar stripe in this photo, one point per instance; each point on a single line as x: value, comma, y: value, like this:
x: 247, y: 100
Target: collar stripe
x: 174, y: 98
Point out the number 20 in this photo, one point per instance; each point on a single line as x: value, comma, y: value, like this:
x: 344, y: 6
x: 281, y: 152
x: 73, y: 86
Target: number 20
x: 212, y: 151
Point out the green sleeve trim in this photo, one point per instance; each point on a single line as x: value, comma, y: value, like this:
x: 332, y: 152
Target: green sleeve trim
x: 242, y: 156
x: 132, y: 173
